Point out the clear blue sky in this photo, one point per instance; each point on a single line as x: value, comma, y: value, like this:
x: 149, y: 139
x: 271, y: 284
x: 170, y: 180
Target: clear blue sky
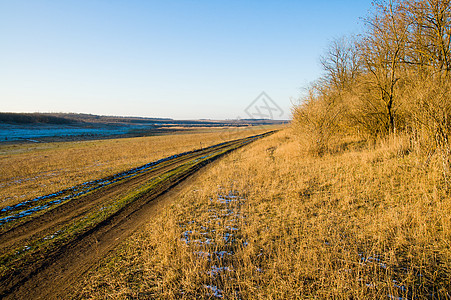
x: 178, y: 59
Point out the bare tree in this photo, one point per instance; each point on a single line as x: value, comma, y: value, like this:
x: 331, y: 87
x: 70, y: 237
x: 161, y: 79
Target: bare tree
x: 341, y: 64
x: 430, y: 39
x: 382, y: 53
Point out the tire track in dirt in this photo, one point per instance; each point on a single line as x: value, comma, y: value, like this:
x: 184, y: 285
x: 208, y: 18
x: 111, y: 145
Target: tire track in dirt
x: 77, y: 207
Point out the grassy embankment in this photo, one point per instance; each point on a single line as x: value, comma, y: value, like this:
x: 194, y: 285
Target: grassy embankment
x: 31, y: 170
x: 270, y: 222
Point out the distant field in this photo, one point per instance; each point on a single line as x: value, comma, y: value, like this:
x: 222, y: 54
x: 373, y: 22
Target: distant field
x: 29, y: 170
x: 49, y: 127
x: 35, y: 133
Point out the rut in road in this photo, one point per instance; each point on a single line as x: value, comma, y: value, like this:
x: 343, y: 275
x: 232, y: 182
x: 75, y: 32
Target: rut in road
x: 46, y: 271
x: 45, y: 224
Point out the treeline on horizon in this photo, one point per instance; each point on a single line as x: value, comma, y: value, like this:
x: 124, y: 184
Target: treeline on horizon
x: 30, y: 118
x: 69, y: 118
x: 80, y: 119
x: 392, y: 80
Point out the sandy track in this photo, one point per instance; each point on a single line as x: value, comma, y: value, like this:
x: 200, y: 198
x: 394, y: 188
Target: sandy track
x: 50, y: 275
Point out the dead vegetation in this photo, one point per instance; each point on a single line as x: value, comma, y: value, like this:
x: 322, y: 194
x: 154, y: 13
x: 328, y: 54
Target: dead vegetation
x: 365, y: 217
x: 265, y: 223
x: 31, y: 170
x: 393, y: 79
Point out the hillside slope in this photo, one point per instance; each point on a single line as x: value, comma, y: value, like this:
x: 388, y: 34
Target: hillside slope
x: 270, y: 222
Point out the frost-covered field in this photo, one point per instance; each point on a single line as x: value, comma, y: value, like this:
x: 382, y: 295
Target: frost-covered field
x: 13, y: 132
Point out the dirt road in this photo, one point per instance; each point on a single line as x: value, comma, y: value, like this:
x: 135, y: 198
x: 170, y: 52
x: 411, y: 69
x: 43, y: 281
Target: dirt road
x: 48, y: 242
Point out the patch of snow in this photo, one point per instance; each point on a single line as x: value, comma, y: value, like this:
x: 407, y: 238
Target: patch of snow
x: 216, y: 270
x: 216, y: 291
x: 395, y: 297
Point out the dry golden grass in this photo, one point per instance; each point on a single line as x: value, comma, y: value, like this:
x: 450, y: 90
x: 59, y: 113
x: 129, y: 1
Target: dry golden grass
x: 28, y: 171
x: 361, y: 224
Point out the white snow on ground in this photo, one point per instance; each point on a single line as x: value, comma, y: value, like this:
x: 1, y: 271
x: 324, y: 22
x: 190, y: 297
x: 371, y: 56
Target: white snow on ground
x: 224, y: 209
x: 375, y: 261
x: 216, y: 292
x: 28, y: 207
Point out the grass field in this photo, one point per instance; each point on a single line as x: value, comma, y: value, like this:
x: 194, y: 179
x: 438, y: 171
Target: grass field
x: 31, y: 170
x: 62, y: 235
x: 271, y: 222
